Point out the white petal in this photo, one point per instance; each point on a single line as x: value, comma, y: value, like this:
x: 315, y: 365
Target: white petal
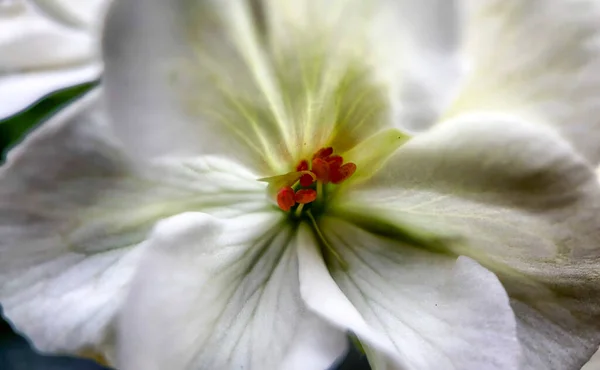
x: 71, y: 212
x: 594, y: 363
x: 538, y: 59
x: 19, y: 91
x: 39, y: 56
x: 433, y: 68
x: 59, y: 296
x: 323, y: 296
x: 145, y: 53
x: 518, y: 199
x: 267, y: 82
x: 75, y: 13
x: 222, y: 294
x: 28, y: 40
x: 435, y: 311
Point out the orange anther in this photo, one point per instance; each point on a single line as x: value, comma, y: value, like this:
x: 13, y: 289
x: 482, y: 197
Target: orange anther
x: 321, y: 169
x: 323, y: 153
x: 302, y: 166
x: 306, y: 180
x: 342, y: 173
x: 285, y: 198
x: 335, y: 161
x: 304, y: 196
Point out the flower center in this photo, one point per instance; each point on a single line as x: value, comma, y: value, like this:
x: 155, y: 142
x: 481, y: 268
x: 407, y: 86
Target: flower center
x: 302, y: 193
x: 305, y: 189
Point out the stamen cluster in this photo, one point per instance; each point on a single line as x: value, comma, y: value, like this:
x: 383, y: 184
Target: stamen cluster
x: 324, y: 168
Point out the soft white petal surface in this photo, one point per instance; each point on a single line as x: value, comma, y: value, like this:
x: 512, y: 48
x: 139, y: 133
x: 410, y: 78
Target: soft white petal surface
x: 538, y: 59
x: 432, y: 33
x: 272, y: 81
x: 39, y: 55
x: 72, y: 211
x: 414, y: 309
x: 19, y: 91
x: 223, y: 294
x: 55, y: 290
x: 594, y: 363
x: 265, y: 81
x: 30, y: 40
x: 75, y: 13
x: 518, y: 199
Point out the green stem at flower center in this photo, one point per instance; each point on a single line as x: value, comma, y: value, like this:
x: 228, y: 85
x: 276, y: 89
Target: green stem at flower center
x: 298, y: 211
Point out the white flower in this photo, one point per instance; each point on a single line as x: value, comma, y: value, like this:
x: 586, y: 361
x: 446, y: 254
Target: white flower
x: 46, y: 45
x: 471, y: 245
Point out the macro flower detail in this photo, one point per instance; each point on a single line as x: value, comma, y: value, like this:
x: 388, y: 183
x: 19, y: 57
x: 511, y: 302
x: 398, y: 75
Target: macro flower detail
x: 45, y: 46
x: 324, y: 168
x: 255, y: 180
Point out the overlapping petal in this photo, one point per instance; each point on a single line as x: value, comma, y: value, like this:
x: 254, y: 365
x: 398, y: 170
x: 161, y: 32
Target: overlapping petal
x: 73, y: 213
x: 229, y: 78
x: 432, y: 34
x: 73, y: 13
x: 538, y: 59
x: 411, y: 308
x: 270, y: 81
x: 265, y: 83
x: 223, y: 294
x: 46, y: 47
x: 22, y: 90
x: 594, y: 363
x: 519, y: 199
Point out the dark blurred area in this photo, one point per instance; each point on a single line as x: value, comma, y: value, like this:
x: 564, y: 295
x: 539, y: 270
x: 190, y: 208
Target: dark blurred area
x: 16, y: 354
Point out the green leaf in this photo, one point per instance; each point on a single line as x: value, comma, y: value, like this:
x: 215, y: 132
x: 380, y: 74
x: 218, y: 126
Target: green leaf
x: 13, y: 129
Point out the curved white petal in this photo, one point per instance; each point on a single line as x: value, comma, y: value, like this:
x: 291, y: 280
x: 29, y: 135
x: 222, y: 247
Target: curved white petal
x: 29, y: 41
x: 54, y: 291
x: 594, y: 363
x: 515, y: 197
x: 72, y: 211
x: 432, y: 32
x: 267, y: 81
x: 222, y: 294
x: 19, y: 91
x: 81, y: 14
x: 418, y: 310
x: 538, y: 59
x: 38, y: 55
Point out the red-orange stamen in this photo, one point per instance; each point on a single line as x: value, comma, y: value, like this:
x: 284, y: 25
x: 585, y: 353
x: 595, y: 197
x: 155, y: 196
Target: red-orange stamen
x: 323, y: 153
x: 306, y: 180
x: 335, y: 161
x: 286, y: 198
x: 321, y: 170
x: 304, y: 196
x: 342, y: 173
x: 302, y: 166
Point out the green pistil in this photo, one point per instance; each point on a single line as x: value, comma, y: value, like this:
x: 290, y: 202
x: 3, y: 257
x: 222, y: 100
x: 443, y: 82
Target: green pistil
x: 320, y: 193
x: 298, y: 211
x: 317, y: 207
